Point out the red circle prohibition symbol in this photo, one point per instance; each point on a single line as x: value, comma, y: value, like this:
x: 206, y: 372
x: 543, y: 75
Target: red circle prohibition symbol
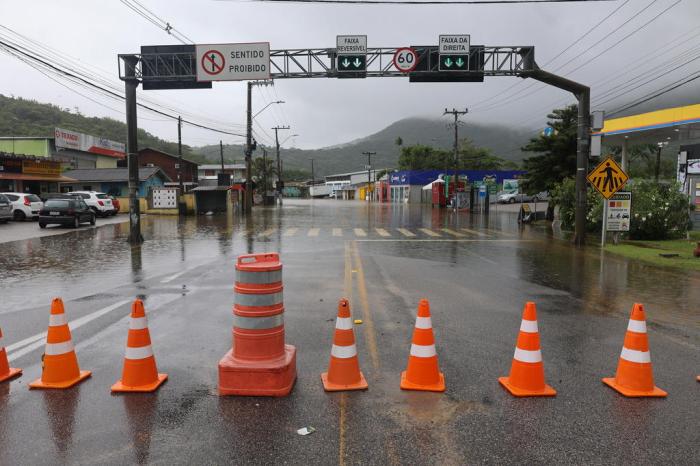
x: 403, y: 67
x: 210, y: 62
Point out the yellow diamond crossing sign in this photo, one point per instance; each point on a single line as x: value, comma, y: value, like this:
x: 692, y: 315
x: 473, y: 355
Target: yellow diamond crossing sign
x: 608, y: 178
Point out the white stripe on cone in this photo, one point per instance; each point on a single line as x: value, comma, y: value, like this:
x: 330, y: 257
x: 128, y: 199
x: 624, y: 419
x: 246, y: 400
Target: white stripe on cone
x: 424, y: 322
x: 635, y: 356
x: 343, y: 323
x: 142, y: 352
x: 55, y: 349
x: 138, y: 323
x: 423, y: 351
x: 637, y: 326
x: 56, y: 320
x: 528, y: 326
x: 527, y: 356
x: 344, y: 352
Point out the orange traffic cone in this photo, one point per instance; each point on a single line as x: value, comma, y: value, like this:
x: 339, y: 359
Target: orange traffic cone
x: 527, y: 370
x: 344, y: 368
x: 422, y: 372
x: 6, y: 372
x: 634, y: 375
x: 140, y: 373
x: 60, y: 362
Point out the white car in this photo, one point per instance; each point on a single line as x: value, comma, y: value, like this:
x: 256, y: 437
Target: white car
x: 24, y: 205
x: 100, y: 203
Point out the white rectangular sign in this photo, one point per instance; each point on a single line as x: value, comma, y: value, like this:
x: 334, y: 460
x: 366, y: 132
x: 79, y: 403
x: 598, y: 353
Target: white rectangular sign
x: 351, y: 45
x: 233, y: 62
x: 454, y: 44
x: 619, y: 211
x: 67, y: 139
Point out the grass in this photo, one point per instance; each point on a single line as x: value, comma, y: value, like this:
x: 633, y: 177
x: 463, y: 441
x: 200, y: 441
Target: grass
x: 648, y: 251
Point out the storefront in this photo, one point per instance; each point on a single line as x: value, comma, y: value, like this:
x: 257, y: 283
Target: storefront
x: 30, y: 175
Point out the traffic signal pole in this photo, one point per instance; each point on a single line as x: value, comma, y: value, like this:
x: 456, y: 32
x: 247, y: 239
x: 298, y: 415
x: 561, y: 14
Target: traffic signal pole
x: 131, y: 82
x: 456, y: 114
x: 369, y: 172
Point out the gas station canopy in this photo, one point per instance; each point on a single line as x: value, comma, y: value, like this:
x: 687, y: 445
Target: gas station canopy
x: 676, y: 125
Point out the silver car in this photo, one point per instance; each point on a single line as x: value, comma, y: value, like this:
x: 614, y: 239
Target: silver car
x: 5, y: 209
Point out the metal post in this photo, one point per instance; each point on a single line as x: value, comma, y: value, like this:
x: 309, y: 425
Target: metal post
x: 131, y: 83
x: 603, y: 234
x: 182, y: 206
x: 221, y: 156
x: 278, y: 189
x: 313, y: 177
x: 657, y: 168
x: 249, y: 153
x: 456, y: 114
x: 625, y: 156
x: 369, y: 172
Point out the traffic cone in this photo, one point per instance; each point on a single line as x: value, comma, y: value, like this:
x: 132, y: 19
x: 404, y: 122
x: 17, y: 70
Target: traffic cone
x: 422, y: 372
x: 527, y: 370
x: 140, y: 373
x: 60, y: 362
x: 634, y: 375
x: 6, y: 372
x: 344, y: 368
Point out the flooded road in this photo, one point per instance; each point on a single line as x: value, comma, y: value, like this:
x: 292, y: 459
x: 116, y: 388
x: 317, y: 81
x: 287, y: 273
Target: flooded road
x: 477, y: 271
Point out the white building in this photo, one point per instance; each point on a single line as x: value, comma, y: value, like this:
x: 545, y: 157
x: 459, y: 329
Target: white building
x: 207, y: 175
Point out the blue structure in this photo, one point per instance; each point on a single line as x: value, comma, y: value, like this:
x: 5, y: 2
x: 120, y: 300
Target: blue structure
x: 114, y: 181
x: 423, y: 177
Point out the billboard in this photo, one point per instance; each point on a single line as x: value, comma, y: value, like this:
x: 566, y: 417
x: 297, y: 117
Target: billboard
x: 66, y: 139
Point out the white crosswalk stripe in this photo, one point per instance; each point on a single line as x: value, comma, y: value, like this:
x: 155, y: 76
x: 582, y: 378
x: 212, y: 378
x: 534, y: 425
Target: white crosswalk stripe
x: 313, y: 231
x: 382, y: 232
x: 268, y: 232
x: 454, y: 233
x: 290, y: 232
x: 359, y: 232
x: 406, y: 232
x: 337, y: 232
x: 429, y: 232
x: 474, y: 232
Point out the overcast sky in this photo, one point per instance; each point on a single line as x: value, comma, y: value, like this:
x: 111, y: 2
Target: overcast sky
x: 331, y: 111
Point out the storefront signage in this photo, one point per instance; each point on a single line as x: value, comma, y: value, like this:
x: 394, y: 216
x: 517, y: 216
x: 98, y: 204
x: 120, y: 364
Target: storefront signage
x: 510, y: 186
x: 33, y: 167
x: 694, y: 166
x: 66, y: 139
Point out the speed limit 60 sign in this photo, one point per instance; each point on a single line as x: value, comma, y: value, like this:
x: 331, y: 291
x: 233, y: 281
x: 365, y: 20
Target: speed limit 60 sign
x: 405, y: 59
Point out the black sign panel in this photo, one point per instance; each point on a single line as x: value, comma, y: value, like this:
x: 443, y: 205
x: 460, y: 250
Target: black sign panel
x: 429, y: 66
x: 10, y: 165
x: 178, y: 62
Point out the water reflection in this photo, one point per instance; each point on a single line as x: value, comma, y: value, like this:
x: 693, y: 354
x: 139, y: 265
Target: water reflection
x: 140, y: 412
x: 60, y: 406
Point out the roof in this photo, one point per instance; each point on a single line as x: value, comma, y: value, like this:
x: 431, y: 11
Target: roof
x: 227, y: 166
x: 23, y: 137
x: 25, y: 177
x: 168, y: 155
x: 113, y: 174
x: 653, y: 126
x: 211, y: 188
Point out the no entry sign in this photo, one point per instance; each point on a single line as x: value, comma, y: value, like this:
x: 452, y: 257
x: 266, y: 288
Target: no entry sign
x: 233, y: 62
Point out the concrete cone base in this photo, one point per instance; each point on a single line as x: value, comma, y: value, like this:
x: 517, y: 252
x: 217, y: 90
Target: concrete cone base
x: 517, y: 391
x: 334, y: 387
x: 269, y: 377
x: 438, y: 387
x: 612, y: 383
x: 58, y: 385
x: 10, y: 374
x: 119, y: 387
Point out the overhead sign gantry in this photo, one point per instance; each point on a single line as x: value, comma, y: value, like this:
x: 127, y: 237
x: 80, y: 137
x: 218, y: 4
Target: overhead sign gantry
x: 454, y: 59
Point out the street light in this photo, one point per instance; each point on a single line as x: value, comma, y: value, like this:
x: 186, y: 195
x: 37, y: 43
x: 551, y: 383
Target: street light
x: 261, y: 110
x: 288, y: 138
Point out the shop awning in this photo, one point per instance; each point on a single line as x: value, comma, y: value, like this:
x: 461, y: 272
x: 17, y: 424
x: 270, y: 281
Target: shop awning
x: 25, y: 177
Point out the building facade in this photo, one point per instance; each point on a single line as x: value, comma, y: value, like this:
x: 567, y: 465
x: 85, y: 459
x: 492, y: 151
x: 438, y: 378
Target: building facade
x: 25, y: 174
x: 114, y: 181
x: 169, y: 163
x: 209, y: 173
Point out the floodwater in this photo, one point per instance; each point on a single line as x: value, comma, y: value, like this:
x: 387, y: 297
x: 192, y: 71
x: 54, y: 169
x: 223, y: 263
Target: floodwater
x: 87, y: 262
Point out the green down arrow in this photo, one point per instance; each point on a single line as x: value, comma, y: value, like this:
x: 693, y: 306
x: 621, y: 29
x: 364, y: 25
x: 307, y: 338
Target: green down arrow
x: 459, y: 62
x: 448, y: 62
x: 357, y: 62
x: 345, y: 63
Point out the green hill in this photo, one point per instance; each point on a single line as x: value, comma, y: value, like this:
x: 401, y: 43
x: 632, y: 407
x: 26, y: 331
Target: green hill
x: 22, y: 117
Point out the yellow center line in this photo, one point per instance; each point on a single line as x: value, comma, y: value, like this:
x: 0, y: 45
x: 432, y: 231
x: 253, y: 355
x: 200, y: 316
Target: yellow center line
x: 370, y: 335
x: 347, y: 288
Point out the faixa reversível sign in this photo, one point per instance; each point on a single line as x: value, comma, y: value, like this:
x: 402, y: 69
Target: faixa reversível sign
x: 233, y: 62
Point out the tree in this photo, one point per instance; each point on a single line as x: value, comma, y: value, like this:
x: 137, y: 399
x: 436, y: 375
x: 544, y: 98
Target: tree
x: 556, y: 159
x: 399, y: 141
x: 470, y: 157
x: 264, y: 170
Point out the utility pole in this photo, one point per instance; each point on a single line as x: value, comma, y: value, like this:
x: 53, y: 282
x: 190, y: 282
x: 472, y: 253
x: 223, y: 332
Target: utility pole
x: 181, y: 200
x: 279, y: 165
x: 221, y: 155
x: 313, y: 176
x: 456, y: 113
x: 369, y: 171
x: 131, y: 82
x: 250, y: 146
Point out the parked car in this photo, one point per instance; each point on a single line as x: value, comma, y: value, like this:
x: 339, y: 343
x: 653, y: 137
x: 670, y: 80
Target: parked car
x: 100, y: 203
x: 512, y: 198
x: 5, y: 209
x: 48, y: 196
x: 70, y: 212
x: 24, y: 205
x: 541, y: 196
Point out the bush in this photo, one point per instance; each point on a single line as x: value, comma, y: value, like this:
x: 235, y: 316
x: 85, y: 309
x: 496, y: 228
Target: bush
x: 658, y: 211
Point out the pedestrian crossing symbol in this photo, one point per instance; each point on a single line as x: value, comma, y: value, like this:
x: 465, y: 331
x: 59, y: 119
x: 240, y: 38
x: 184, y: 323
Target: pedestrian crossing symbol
x: 608, y: 178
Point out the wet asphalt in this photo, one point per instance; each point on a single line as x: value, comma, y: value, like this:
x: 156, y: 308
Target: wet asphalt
x: 477, y: 281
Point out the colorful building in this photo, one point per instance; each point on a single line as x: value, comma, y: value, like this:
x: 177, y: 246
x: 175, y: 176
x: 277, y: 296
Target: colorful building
x: 113, y: 181
x: 27, y: 174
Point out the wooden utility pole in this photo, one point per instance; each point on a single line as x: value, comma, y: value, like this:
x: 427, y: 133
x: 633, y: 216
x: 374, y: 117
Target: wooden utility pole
x: 456, y: 113
x: 369, y: 172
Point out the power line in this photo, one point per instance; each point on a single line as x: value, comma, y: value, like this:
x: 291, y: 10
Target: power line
x: 156, y: 20
x: 427, y: 2
x: 659, y: 92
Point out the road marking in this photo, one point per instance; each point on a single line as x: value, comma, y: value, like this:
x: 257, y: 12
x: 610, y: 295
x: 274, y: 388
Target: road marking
x: 453, y: 233
x: 359, y: 232
x: 267, y: 233
x: 290, y: 232
x: 173, y: 277
x: 337, y: 232
x: 429, y: 232
x: 443, y: 240
x: 341, y: 429
x: 405, y: 232
x: 313, y: 231
x: 382, y: 232
x: 73, y: 325
x: 370, y: 335
x: 474, y: 232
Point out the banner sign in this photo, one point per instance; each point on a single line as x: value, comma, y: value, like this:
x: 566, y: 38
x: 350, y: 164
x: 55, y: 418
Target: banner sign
x: 66, y: 139
x: 34, y: 167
